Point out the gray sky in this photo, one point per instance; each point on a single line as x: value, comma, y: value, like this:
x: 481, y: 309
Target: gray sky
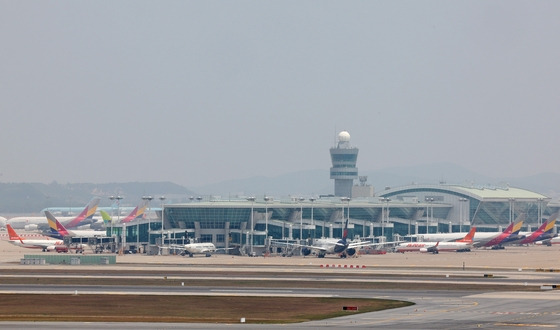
x: 197, y: 92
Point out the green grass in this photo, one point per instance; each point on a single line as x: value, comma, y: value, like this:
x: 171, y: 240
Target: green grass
x: 187, y: 309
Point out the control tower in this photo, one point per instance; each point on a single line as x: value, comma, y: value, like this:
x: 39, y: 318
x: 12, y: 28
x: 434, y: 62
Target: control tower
x: 344, y: 170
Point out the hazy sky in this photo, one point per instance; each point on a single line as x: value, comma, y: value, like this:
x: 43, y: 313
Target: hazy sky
x: 196, y: 92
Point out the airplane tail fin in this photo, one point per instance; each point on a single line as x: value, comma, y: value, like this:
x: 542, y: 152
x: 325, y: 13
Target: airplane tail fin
x: 345, y: 231
x: 137, y: 212
x: 55, y: 226
x: 92, y: 207
x: 12, y: 233
x: 87, y: 212
x: 469, y: 237
x: 106, y: 218
x: 550, y: 222
x: 515, y: 226
x: 53, y: 231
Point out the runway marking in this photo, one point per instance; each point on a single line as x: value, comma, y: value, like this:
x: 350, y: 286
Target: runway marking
x: 525, y: 325
x: 251, y: 291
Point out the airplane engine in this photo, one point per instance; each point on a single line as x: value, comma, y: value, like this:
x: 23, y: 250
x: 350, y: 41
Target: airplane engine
x: 30, y: 227
x: 433, y: 250
x: 305, y: 251
x: 42, y: 227
x: 97, y: 226
x: 351, y: 252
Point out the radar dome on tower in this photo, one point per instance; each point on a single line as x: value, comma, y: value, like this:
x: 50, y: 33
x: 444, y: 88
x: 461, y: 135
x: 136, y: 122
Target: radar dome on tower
x: 344, y: 136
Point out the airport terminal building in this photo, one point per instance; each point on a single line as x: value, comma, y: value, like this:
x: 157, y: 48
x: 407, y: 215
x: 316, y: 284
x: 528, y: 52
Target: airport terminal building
x: 414, y: 209
x: 252, y: 222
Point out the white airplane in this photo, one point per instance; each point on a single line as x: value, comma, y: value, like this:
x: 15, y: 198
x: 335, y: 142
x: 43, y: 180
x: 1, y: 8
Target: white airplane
x: 199, y: 248
x: 342, y: 247
x: 486, y: 239
x: 549, y: 242
x: 57, y: 230
x: 544, y: 232
x: 44, y: 244
x: 33, y: 223
x: 463, y: 245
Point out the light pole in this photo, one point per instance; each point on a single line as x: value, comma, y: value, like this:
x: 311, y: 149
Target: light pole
x: 347, y: 200
x: 312, y: 200
x: 429, y: 200
x: 252, y: 200
x: 118, y: 199
x: 301, y: 199
x: 161, y: 198
x: 112, y: 198
x: 149, y: 199
x: 539, y: 211
x: 461, y: 213
x: 511, y: 209
x: 266, y: 199
x: 384, y: 215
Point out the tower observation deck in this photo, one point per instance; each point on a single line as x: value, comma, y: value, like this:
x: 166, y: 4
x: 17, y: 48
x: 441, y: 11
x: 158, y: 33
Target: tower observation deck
x: 344, y: 170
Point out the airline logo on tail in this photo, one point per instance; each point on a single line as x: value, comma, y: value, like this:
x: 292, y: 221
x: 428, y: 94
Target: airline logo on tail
x: 517, y: 227
x: 342, y: 244
x: 137, y: 212
x: 106, y: 218
x: 55, y: 226
x: 13, y: 235
x: 544, y: 231
x: 469, y: 237
x: 512, y: 230
x: 88, y: 212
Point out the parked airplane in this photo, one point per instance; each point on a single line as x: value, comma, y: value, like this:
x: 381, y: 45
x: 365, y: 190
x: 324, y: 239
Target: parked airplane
x: 544, y: 232
x: 34, y: 223
x: 44, y: 244
x: 463, y: 245
x: 497, y: 240
x: 549, y: 242
x: 199, y: 248
x: 479, y: 239
x: 57, y: 230
x: 342, y: 247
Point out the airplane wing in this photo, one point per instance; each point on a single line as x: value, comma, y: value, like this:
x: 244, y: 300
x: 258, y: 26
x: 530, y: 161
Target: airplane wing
x: 367, y: 243
x: 313, y: 247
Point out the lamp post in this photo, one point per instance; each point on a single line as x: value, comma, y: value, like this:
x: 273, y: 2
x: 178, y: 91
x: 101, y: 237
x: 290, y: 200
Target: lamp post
x: 539, y: 211
x: 118, y: 199
x: 461, y: 213
x: 252, y: 200
x: 511, y: 209
x: 112, y: 198
x: 161, y: 198
x: 347, y: 200
x: 429, y: 200
x: 149, y: 199
x: 266, y: 199
x: 301, y: 199
x: 384, y: 215
x: 312, y: 200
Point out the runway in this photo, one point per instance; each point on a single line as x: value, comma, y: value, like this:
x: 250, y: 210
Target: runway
x: 433, y: 309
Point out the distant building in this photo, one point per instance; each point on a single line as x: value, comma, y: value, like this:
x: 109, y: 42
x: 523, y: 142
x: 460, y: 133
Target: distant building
x: 363, y: 189
x: 344, y: 170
